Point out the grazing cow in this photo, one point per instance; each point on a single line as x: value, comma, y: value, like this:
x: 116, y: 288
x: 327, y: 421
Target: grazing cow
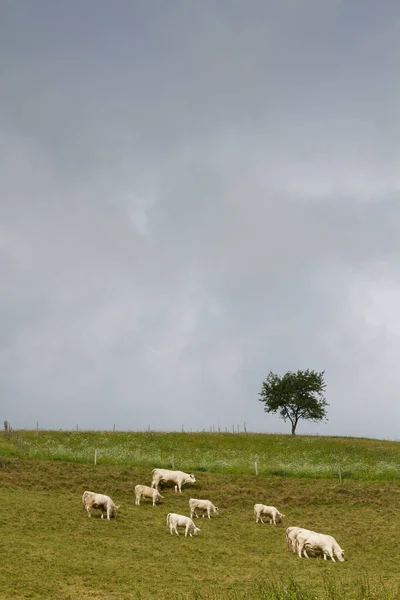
x: 271, y: 512
x: 144, y: 491
x: 167, y: 476
x: 291, y: 537
x: 206, y: 506
x: 319, y: 542
x: 104, y: 503
x: 174, y: 521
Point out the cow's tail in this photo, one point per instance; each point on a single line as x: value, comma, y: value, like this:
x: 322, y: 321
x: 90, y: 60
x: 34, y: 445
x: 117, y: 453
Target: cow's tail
x: 83, y: 500
x: 168, y: 518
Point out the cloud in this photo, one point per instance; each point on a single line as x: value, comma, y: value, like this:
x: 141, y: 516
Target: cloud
x: 191, y: 198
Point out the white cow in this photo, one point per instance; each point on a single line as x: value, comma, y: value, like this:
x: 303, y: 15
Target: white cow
x: 104, y: 503
x: 271, y: 512
x: 206, y: 506
x: 174, y: 521
x: 291, y: 537
x: 144, y: 491
x: 167, y: 476
x: 319, y: 542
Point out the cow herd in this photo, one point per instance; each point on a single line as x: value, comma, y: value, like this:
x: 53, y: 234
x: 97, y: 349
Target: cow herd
x: 298, y: 539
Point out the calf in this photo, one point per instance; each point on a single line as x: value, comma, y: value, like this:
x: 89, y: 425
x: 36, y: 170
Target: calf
x: 144, y: 491
x: 271, y: 512
x: 104, y: 503
x: 167, y: 476
x: 174, y: 521
x: 206, y: 506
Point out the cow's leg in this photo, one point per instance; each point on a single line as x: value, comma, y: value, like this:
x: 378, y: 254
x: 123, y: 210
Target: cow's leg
x: 302, y: 550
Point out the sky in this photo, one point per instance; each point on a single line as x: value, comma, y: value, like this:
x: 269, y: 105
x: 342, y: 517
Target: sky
x: 194, y: 194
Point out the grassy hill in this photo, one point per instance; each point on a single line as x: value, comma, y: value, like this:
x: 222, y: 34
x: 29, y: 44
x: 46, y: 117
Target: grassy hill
x: 51, y: 549
x: 284, y: 455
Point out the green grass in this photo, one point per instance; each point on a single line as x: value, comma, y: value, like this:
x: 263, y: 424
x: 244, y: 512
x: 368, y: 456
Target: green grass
x: 282, y: 455
x: 51, y: 549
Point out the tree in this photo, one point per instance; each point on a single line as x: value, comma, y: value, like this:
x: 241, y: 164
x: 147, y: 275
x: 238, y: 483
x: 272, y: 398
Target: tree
x: 296, y: 396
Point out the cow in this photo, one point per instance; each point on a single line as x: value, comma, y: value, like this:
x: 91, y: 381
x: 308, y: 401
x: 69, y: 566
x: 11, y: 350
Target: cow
x: 144, y: 491
x: 104, y: 503
x: 291, y: 537
x: 206, y: 506
x: 174, y: 521
x: 167, y: 476
x: 271, y: 512
x: 319, y: 542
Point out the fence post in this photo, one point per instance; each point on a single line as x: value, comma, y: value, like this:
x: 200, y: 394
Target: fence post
x: 256, y: 467
x: 114, y: 428
x: 95, y: 457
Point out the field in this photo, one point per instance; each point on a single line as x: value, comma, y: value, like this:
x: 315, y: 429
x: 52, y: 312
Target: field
x: 50, y: 549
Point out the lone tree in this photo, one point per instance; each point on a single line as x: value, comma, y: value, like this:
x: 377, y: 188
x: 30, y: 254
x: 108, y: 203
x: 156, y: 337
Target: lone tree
x: 296, y: 396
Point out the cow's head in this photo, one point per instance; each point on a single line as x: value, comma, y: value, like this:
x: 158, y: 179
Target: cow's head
x: 191, y: 478
x: 196, y: 530
x: 340, y: 554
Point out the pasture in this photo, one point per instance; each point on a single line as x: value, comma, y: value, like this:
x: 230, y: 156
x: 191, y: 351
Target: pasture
x: 51, y: 549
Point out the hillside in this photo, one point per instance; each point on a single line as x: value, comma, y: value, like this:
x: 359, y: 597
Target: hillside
x: 51, y: 549
x: 282, y: 455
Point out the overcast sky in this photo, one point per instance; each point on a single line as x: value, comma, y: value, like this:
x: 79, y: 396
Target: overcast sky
x: 194, y: 194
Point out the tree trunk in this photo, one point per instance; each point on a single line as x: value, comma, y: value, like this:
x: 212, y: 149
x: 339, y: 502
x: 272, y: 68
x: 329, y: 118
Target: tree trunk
x: 294, y: 428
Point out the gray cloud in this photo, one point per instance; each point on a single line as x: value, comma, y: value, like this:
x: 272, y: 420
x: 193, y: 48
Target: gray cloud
x: 191, y: 196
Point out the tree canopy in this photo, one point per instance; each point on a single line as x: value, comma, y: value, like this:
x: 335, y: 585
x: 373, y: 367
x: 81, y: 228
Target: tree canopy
x: 295, y: 396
